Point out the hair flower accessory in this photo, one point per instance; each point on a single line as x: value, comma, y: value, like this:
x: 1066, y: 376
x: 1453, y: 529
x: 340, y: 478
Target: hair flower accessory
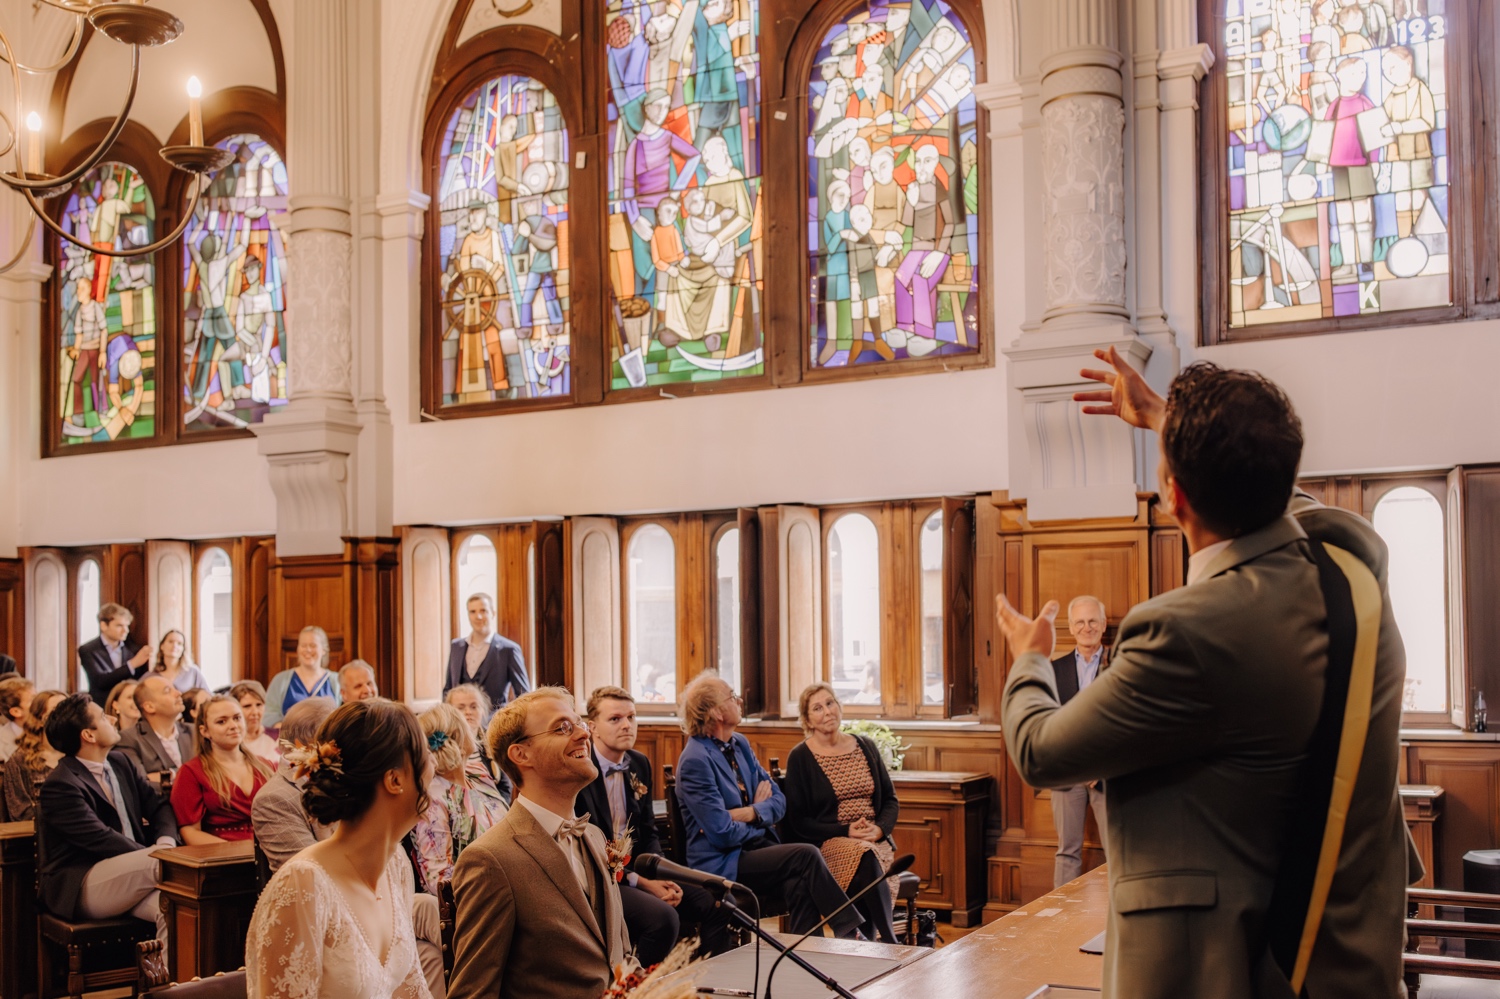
x: 310, y: 758
x: 437, y: 740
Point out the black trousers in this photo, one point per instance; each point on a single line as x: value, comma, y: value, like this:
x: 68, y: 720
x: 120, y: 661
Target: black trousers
x: 875, y: 904
x: 655, y: 926
x: 796, y: 873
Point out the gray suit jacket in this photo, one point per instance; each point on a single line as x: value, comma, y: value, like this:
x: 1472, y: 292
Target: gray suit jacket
x: 524, y: 928
x: 139, y: 742
x: 282, y: 827
x: 1200, y: 725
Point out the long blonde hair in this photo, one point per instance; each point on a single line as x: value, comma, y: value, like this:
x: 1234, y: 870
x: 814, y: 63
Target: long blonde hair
x: 218, y: 779
x: 34, y: 730
x: 159, y: 663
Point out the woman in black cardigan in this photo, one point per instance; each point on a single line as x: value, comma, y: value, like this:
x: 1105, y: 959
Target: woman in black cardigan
x: 839, y: 797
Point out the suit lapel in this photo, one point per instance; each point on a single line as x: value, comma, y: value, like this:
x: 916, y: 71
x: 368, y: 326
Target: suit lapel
x: 555, y: 864
x: 594, y: 840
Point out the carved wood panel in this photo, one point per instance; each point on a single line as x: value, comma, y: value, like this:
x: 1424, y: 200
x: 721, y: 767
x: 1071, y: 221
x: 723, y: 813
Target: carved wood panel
x: 13, y: 611
x: 1470, y: 778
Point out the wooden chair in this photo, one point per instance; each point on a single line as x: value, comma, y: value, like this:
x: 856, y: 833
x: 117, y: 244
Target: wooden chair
x: 676, y: 829
x: 99, y: 954
x: 1417, y: 965
x: 447, y: 917
x: 155, y: 981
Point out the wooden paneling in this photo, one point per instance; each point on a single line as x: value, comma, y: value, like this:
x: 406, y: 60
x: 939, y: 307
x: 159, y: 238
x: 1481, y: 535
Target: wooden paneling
x: 258, y: 554
x: 18, y: 956
x: 377, y: 636
x: 754, y: 606
x: 1481, y: 568
x: 1469, y: 774
x: 961, y: 667
x: 13, y: 610
x: 125, y: 583
x: 311, y: 590
x: 552, y: 608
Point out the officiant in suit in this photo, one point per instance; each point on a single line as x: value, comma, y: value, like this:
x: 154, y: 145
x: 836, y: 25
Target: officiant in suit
x: 113, y: 656
x: 1087, y: 620
x: 484, y: 658
x: 539, y: 914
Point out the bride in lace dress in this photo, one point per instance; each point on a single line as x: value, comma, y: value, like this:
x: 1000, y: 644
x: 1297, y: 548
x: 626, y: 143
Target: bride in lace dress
x: 335, y: 921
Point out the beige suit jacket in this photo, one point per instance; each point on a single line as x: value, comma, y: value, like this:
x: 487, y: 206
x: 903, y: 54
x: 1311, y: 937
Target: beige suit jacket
x: 1200, y: 726
x: 524, y: 928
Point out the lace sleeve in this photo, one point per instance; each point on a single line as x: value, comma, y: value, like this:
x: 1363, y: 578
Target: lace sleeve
x: 284, y: 948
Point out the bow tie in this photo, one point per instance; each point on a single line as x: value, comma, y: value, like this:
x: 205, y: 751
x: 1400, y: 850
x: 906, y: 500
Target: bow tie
x: 572, y: 828
x: 616, y: 768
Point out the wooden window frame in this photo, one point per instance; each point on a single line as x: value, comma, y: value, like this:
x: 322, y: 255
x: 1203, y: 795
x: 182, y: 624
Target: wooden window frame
x: 1473, y: 171
x: 573, y: 66
x: 228, y: 112
x: 515, y: 612
x: 234, y: 548
x: 715, y: 527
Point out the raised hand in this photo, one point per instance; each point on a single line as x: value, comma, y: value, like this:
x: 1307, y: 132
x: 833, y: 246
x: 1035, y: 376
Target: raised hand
x: 1128, y: 395
x: 1026, y: 634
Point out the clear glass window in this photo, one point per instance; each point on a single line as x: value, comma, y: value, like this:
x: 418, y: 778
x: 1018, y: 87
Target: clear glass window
x: 931, y: 585
x: 478, y: 572
x: 854, y: 609
x: 652, y: 594
x: 727, y: 605
x: 1410, y: 520
x: 88, y: 609
x: 216, y: 617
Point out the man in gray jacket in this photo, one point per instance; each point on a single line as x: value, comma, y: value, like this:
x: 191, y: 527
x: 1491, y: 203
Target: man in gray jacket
x: 1203, y: 721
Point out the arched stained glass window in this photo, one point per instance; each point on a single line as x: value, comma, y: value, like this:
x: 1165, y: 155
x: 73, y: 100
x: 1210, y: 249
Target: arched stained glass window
x: 1337, y: 120
x: 685, y: 256
x: 503, y: 246
x: 234, y: 274
x: 893, y: 190
x: 107, y: 311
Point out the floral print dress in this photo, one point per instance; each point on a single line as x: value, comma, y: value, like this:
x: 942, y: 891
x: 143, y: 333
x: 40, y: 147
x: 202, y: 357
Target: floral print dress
x: 458, y: 814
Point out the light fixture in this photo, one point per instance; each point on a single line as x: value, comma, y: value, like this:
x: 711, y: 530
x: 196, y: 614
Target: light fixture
x: 129, y: 22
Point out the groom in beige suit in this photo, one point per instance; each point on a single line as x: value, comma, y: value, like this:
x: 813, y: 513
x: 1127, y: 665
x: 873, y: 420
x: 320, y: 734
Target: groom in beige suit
x: 539, y: 916
x: 1203, y: 721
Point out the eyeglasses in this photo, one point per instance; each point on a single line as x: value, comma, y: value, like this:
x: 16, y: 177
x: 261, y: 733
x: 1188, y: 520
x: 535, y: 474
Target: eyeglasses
x: 736, y: 698
x: 565, y: 728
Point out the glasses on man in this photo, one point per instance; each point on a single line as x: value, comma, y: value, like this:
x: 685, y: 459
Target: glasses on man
x: 736, y: 698
x: 564, y: 728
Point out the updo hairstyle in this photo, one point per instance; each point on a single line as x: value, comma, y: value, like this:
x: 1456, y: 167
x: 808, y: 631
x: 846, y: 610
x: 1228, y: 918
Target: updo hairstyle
x: 356, y: 746
x: 447, y: 735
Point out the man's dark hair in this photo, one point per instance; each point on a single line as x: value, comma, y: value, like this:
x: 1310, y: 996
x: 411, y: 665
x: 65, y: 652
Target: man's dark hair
x: 67, y: 722
x: 1232, y: 442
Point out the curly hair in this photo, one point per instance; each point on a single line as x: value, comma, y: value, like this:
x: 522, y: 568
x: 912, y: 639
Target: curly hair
x: 699, y: 697
x: 34, y: 730
x: 1232, y: 443
x: 371, y: 738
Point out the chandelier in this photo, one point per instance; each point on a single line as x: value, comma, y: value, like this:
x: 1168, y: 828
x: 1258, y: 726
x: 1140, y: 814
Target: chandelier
x: 129, y: 22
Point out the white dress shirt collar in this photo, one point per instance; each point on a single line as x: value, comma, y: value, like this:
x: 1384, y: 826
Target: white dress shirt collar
x: 1198, y: 561
x: 549, y: 820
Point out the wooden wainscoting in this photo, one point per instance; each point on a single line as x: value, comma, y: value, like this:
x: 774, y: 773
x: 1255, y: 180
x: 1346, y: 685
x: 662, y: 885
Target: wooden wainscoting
x: 13, y: 610
x: 1467, y: 768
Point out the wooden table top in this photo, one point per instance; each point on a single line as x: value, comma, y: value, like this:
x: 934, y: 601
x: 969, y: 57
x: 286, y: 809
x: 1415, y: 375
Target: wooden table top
x: 1014, y: 956
x: 209, y: 855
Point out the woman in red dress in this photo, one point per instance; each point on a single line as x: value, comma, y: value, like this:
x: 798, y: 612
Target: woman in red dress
x: 213, y: 791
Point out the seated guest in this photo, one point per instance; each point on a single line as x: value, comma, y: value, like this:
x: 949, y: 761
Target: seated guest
x: 160, y: 741
x: 619, y: 803
x: 283, y: 829
x: 357, y: 681
x: 309, y: 678
x: 474, y: 704
x: 464, y: 801
x: 120, y: 707
x: 192, y: 703
x: 15, y: 699
x: 174, y: 665
x: 33, y: 760
x: 335, y: 921
x: 112, y: 657
x: 732, y: 806
x: 252, y: 701
x: 839, y: 798
x: 485, y: 658
x: 538, y: 912
x: 100, y: 822
x: 214, y: 790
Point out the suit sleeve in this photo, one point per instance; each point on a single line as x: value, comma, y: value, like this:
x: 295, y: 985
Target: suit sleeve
x: 155, y: 808
x: 516, y: 676
x: 448, y: 680
x: 1147, y: 709
x: 67, y: 812
x: 698, y: 792
x: 773, y: 809
x: 484, y: 926
x: 130, y: 747
x: 647, y: 839
x: 280, y: 825
x: 808, y: 814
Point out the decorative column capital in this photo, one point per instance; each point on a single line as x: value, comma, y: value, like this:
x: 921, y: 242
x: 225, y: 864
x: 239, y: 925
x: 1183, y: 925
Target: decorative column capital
x: 1193, y: 61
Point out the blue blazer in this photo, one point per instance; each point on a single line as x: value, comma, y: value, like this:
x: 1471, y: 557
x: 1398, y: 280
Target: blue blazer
x: 502, y: 674
x: 707, y: 790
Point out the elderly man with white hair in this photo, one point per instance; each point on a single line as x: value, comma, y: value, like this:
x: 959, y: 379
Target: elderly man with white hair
x: 1087, y: 621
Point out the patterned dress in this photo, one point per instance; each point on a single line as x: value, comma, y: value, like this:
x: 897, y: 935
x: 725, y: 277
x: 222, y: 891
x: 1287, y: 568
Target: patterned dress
x: 458, y: 814
x: 854, y: 786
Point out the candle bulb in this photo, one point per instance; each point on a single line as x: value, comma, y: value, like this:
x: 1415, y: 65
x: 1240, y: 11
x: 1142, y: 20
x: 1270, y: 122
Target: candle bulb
x: 34, y: 149
x: 195, y: 112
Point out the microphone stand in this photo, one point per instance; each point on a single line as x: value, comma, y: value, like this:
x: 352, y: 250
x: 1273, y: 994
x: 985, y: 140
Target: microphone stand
x: 748, y: 922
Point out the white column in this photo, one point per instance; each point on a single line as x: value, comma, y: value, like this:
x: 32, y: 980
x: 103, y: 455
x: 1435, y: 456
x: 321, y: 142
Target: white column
x: 1182, y: 63
x: 1076, y: 466
x: 309, y: 443
x: 20, y: 399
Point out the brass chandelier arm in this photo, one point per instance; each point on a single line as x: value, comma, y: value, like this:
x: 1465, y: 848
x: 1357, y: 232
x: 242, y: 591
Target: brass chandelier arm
x: 21, y: 250
x: 9, y: 56
x: 18, y: 183
x: 199, y: 183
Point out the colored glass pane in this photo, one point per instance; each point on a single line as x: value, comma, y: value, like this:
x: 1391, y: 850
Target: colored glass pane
x: 107, y: 311
x: 685, y: 254
x: 893, y: 191
x: 234, y: 273
x: 1337, y: 159
x: 503, y: 241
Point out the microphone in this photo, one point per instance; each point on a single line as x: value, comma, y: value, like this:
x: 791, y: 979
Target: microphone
x: 899, y: 866
x: 654, y: 866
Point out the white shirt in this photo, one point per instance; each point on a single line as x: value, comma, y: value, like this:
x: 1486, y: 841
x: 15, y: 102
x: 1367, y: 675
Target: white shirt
x: 1198, y: 561
x: 116, y: 651
x: 1088, y: 669
x: 573, y: 848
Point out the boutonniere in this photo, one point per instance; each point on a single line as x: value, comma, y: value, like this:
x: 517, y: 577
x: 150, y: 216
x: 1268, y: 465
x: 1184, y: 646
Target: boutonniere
x: 676, y: 977
x: 637, y: 787
x: 617, y: 855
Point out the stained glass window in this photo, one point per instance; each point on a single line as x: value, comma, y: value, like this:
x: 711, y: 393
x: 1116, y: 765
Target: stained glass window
x: 893, y: 192
x: 107, y: 311
x: 503, y: 245
x: 234, y: 273
x: 685, y: 256
x: 1338, y: 158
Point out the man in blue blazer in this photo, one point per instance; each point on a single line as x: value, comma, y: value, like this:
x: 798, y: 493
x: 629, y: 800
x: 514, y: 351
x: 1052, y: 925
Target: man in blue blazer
x: 731, y: 807
x: 484, y: 658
